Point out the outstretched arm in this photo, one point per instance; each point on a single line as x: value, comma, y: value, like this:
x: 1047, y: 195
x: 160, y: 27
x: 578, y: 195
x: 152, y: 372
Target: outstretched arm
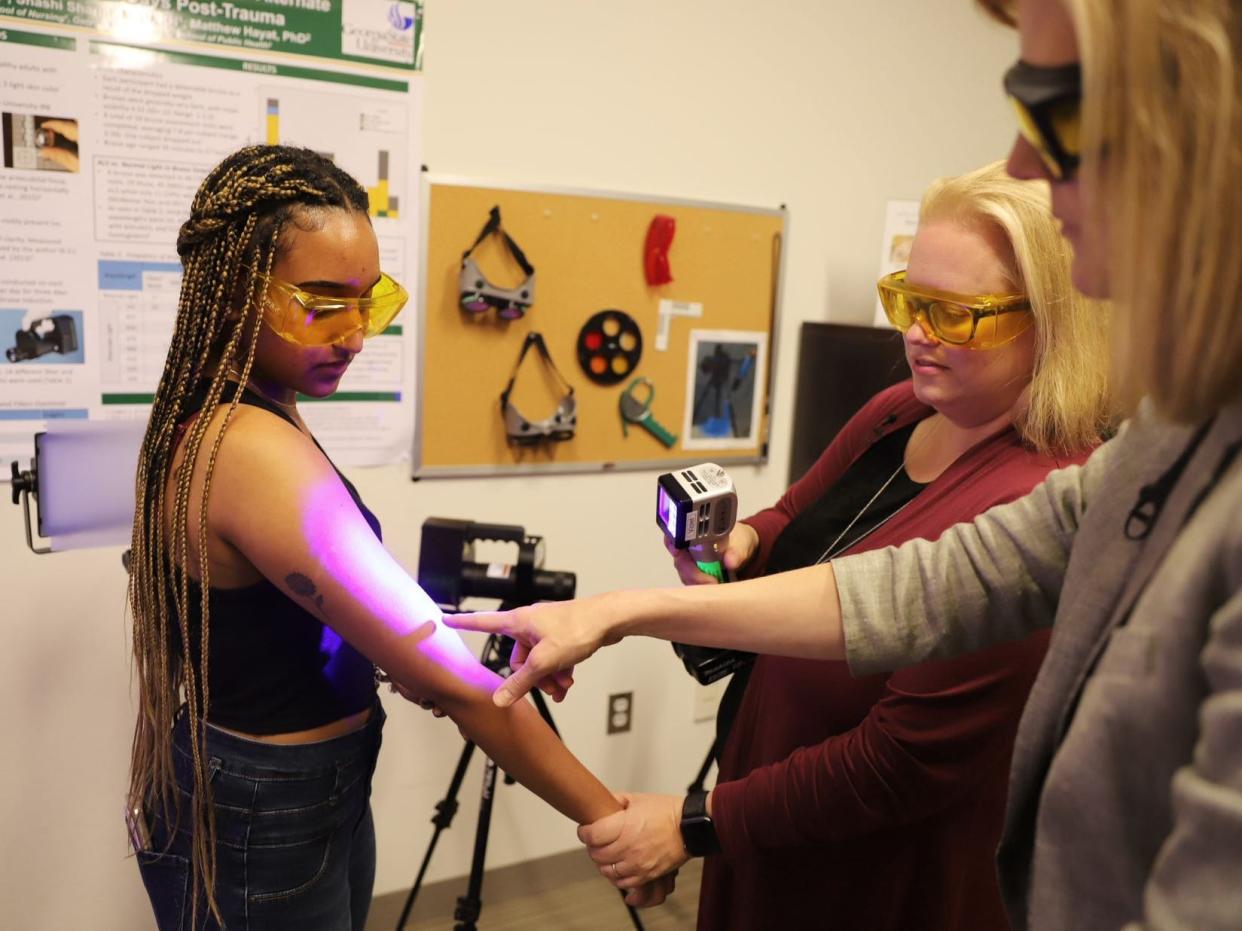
x: 277, y: 500
x: 555, y: 635
x: 985, y: 582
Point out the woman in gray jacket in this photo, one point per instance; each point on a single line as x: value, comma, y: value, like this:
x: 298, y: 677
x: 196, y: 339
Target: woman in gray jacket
x: 1125, y: 806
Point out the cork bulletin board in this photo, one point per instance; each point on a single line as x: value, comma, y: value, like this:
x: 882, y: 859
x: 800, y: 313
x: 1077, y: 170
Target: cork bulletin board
x: 703, y: 341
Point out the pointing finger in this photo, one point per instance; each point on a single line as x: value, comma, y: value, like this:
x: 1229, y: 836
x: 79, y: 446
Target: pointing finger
x: 489, y: 622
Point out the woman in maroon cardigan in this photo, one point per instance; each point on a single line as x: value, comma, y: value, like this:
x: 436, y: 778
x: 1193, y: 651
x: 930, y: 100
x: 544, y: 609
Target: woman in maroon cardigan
x: 876, y: 803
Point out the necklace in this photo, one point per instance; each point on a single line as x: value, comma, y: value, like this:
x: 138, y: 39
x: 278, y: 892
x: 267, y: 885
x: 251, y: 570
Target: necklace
x: 290, y: 406
x: 833, y: 548
x: 250, y: 385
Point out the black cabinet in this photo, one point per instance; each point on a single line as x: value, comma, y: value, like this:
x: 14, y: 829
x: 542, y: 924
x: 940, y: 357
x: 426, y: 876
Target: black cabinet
x: 839, y: 369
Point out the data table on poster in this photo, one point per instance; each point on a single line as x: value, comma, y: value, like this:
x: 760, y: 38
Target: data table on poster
x: 137, y: 305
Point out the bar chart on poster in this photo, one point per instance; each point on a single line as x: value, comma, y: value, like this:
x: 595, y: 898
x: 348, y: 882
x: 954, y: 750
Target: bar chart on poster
x: 374, y: 151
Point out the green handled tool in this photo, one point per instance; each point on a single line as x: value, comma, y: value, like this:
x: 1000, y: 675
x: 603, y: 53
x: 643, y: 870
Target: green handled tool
x: 638, y: 411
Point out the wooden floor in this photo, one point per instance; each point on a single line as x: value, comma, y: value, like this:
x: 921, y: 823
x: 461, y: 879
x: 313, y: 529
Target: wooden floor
x: 557, y: 893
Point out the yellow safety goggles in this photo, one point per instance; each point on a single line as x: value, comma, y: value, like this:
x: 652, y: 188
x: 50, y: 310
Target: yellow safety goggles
x: 310, y: 319
x: 1048, y: 105
x: 973, y: 322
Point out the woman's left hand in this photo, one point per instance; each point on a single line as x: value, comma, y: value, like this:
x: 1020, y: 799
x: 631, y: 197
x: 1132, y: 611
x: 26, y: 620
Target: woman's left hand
x: 425, y: 703
x: 641, y: 843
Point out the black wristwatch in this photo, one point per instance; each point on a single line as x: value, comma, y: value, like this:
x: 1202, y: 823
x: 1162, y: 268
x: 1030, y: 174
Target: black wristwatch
x: 697, y: 831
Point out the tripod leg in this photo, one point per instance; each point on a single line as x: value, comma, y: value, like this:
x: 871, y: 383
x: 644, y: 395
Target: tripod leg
x: 697, y: 785
x: 471, y: 904
x: 638, y: 922
x: 541, y: 705
x: 446, y: 808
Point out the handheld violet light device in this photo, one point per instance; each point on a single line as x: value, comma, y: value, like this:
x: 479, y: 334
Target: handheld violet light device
x: 697, y: 508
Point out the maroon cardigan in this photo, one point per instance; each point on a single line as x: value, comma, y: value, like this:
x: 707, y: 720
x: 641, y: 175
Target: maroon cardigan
x: 875, y: 803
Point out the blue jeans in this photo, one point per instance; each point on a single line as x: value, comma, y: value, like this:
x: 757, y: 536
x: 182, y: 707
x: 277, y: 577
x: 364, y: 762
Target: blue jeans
x: 295, y: 843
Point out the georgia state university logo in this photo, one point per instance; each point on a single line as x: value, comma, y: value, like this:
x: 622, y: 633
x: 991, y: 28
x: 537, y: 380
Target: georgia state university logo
x: 398, y: 19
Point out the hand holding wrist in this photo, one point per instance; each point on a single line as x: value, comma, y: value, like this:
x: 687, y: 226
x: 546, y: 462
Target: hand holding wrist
x: 640, y: 844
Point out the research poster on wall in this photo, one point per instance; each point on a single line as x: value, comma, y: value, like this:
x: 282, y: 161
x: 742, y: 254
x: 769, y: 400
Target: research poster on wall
x: 901, y: 221
x: 112, y: 113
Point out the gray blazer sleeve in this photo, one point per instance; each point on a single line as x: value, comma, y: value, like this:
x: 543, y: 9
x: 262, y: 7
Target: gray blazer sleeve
x: 995, y: 579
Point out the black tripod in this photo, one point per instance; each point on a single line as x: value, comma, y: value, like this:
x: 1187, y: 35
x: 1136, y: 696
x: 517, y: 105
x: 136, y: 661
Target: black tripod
x: 495, y: 656
x: 700, y: 778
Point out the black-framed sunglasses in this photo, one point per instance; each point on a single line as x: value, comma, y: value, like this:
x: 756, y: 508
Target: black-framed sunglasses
x: 1048, y: 101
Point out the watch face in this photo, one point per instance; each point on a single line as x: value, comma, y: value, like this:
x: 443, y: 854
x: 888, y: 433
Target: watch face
x: 700, y: 835
x: 697, y: 830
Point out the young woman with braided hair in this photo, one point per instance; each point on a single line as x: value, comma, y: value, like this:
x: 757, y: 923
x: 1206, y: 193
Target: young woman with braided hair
x: 262, y: 596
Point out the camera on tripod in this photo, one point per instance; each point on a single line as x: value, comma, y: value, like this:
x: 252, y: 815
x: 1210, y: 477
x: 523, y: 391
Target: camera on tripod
x: 448, y: 572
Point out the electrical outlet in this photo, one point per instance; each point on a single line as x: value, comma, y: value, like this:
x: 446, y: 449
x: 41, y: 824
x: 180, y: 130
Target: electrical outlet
x: 620, y: 712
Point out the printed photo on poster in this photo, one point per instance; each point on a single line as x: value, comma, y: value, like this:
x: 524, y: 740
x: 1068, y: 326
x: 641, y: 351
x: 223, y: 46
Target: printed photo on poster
x: 54, y: 339
x: 724, y: 389
x: 39, y: 143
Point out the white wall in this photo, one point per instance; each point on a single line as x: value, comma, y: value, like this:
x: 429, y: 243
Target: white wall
x: 828, y: 106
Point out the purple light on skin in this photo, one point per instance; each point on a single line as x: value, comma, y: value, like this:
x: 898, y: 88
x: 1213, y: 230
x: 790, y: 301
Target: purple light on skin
x: 389, y: 612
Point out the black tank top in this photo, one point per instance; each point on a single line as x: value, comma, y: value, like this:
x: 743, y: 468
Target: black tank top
x: 872, y: 490
x: 273, y: 667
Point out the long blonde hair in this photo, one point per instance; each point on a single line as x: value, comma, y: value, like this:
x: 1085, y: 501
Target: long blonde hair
x: 1162, y: 144
x: 1069, y: 405
x: 227, y: 249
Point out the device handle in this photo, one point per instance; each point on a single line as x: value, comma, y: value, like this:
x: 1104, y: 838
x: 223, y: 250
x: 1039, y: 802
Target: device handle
x: 716, y: 570
x: 668, y: 439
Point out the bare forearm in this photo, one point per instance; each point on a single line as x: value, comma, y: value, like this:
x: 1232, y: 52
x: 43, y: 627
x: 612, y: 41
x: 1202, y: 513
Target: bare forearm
x: 791, y: 614
x: 435, y: 665
x: 526, y: 748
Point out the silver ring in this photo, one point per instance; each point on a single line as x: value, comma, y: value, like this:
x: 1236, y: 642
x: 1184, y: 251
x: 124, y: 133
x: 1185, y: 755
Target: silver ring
x: 615, y: 874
